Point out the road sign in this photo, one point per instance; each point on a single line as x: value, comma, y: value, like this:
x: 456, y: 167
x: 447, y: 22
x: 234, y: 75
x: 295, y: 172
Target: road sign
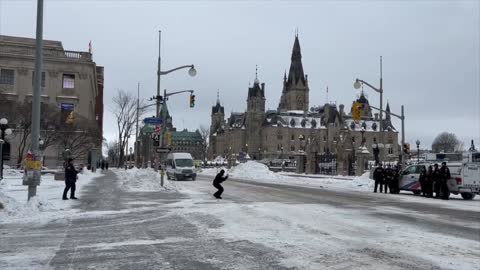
x: 152, y: 121
x: 156, y: 137
x: 163, y: 150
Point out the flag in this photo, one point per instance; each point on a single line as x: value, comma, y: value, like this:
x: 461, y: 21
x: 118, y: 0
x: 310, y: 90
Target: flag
x: 90, y: 47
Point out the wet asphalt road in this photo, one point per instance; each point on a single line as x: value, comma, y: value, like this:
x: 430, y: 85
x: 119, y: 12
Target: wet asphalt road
x: 132, y: 230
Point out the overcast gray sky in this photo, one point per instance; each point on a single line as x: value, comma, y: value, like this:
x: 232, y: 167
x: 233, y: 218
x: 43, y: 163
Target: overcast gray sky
x: 430, y: 50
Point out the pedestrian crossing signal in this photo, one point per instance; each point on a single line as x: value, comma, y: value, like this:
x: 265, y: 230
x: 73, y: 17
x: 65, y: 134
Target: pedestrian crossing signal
x: 192, y: 101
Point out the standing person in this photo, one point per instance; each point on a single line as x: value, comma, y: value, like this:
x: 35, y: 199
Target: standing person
x: 379, y: 177
x: 216, y: 183
x: 429, y: 182
x: 436, y: 180
x: 423, y: 181
x: 103, y: 164
x: 106, y: 165
x: 70, y: 179
x: 445, y: 176
x: 388, y: 179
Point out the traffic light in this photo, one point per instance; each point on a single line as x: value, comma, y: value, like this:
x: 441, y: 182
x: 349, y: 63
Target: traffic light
x: 192, y: 101
x: 357, y: 111
x: 406, y: 149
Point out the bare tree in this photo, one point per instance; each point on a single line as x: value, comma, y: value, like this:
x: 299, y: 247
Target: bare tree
x: 445, y: 142
x: 205, y: 133
x: 125, y: 111
x: 80, y: 137
x: 22, y: 120
x: 113, y: 151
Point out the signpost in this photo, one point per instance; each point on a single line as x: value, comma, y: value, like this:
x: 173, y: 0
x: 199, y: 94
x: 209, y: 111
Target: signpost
x: 163, y: 150
x: 152, y: 121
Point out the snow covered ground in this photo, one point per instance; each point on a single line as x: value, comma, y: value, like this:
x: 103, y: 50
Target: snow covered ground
x: 44, y: 207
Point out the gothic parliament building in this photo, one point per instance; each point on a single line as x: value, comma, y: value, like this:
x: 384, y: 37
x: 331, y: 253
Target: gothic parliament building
x: 293, y: 128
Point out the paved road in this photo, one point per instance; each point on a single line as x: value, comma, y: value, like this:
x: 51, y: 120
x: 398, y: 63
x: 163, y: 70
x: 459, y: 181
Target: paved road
x: 141, y: 230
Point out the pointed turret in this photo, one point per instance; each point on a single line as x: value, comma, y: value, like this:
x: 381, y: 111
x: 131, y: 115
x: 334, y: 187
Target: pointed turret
x: 295, y: 85
x: 295, y: 74
x: 387, y: 110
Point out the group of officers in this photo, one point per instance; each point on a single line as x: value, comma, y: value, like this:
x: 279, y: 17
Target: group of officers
x: 387, y: 178
x: 431, y: 180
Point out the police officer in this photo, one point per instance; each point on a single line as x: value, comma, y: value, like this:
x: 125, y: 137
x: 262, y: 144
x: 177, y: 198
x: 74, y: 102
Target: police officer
x: 436, y: 177
x: 379, y: 177
x: 388, y: 178
x: 444, y: 176
x: 429, y: 182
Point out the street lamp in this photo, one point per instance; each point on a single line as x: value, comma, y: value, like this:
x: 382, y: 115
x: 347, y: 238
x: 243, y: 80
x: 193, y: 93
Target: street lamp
x: 192, y: 72
x: 358, y: 83
x: 418, y: 151
x: 4, y: 130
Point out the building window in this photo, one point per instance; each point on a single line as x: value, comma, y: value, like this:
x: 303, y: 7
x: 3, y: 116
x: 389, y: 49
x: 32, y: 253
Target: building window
x: 68, y: 81
x: 293, y: 137
x: 292, y: 148
x: 7, y: 76
x: 280, y: 137
x: 43, y: 78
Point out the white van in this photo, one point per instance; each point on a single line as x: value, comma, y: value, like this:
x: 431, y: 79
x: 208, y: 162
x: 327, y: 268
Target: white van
x: 180, y: 166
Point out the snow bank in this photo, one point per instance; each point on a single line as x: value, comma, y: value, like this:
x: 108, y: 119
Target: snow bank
x: 144, y: 180
x: 44, y: 207
x: 254, y: 171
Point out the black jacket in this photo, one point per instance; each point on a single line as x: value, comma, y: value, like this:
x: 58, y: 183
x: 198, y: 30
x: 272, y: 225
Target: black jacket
x: 445, y: 173
x: 379, y: 174
x: 219, y: 178
x: 70, y: 173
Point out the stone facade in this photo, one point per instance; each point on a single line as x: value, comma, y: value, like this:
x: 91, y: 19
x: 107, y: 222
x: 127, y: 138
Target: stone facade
x: 292, y: 129
x: 70, y: 79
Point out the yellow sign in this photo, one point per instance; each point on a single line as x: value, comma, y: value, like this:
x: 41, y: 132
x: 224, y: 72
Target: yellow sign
x: 168, y: 138
x: 34, y: 165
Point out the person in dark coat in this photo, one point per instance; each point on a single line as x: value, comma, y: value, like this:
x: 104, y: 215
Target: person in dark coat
x: 106, y: 165
x: 103, y: 165
x: 388, y: 179
x: 423, y: 181
x: 429, y: 182
x: 444, y: 176
x: 379, y: 177
x: 437, y: 178
x: 216, y: 183
x: 70, y: 179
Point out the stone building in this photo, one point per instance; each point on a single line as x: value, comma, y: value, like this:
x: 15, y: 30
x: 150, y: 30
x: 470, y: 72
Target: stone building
x: 71, y: 82
x: 293, y: 129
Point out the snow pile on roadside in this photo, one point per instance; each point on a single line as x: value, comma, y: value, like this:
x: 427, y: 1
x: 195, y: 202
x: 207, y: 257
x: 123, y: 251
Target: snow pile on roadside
x: 145, y: 180
x: 47, y: 205
x: 255, y: 171
x: 12, y: 173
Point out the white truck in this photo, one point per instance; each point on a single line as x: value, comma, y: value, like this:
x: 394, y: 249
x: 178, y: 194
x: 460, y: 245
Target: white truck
x: 180, y: 166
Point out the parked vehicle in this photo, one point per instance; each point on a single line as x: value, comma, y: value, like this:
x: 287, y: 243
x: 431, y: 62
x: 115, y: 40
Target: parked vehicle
x: 180, y: 166
x: 465, y: 177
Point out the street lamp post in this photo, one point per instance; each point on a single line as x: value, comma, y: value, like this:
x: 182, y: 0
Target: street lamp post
x: 418, y: 151
x: 192, y: 72
x: 4, y: 130
x: 130, y: 157
x: 358, y: 83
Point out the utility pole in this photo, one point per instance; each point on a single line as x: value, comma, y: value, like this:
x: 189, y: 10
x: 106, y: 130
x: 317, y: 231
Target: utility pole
x: 137, y: 143
x: 157, y: 155
x: 36, y: 177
